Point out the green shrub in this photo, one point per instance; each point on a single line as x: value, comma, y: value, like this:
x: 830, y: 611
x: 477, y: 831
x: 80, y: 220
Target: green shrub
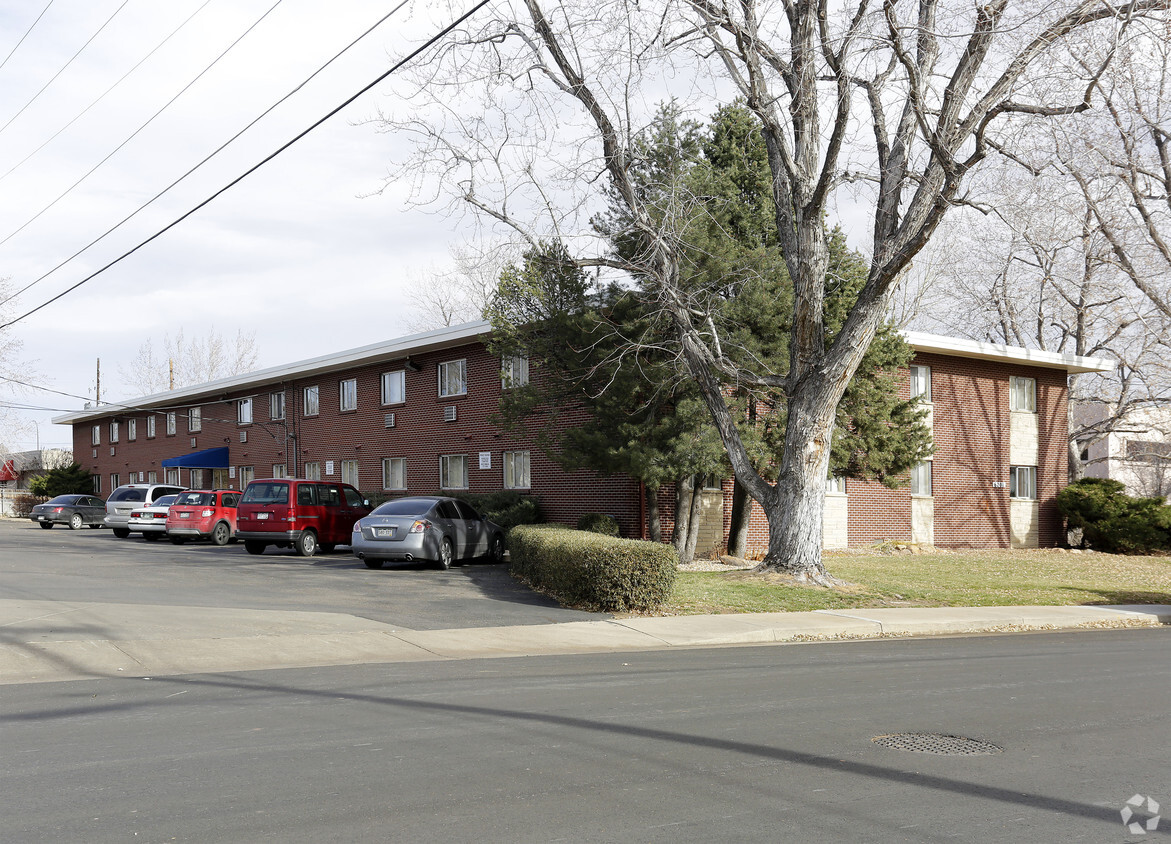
x: 1110, y: 520
x: 589, y: 570
x: 23, y: 504
x: 599, y: 523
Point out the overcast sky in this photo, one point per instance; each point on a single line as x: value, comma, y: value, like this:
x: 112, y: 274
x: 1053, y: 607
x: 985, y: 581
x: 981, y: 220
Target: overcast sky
x: 294, y: 253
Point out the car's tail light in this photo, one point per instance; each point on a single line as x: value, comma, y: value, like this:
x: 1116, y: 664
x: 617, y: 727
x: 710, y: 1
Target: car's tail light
x: 357, y: 527
x: 419, y: 526
x: 58, y: 509
x: 135, y: 514
x: 206, y: 513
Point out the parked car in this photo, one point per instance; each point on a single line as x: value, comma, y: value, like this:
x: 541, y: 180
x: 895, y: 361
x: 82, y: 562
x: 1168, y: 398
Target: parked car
x: 151, y: 520
x: 298, y: 513
x: 203, y: 514
x: 127, y: 497
x: 428, y: 528
x: 72, y: 510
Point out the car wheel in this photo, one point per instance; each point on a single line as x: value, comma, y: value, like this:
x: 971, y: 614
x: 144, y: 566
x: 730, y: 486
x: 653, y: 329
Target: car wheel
x: 220, y: 534
x: 373, y: 564
x: 46, y: 525
x: 306, y: 545
x: 253, y: 547
x: 150, y: 537
x: 496, y: 549
x: 75, y: 521
x: 178, y: 540
x: 446, y: 554
x: 121, y: 533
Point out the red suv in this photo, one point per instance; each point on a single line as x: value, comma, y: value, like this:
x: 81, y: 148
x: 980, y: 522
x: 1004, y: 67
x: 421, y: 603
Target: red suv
x: 203, y: 514
x: 298, y: 513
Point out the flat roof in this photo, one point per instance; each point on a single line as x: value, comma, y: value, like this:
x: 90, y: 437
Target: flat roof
x: 458, y: 335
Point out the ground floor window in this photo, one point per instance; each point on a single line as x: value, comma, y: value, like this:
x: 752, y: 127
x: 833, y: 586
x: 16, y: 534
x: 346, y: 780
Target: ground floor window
x: 152, y: 477
x: 280, y: 470
x: 1022, y: 482
x: 921, y: 478
x: 350, y: 472
x: 173, y: 477
x: 516, y: 470
x: 195, y: 478
x: 247, y: 475
x: 97, y: 484
x: 394, y: 473
x: 114, y: 482
x: 313, y: 471
x: 453, y: 471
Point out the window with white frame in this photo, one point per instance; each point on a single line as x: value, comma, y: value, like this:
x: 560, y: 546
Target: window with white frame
x: 921, y: 383
x: 348, y: 394
x: 276, y: 406
x: 516, y: 470
x: 1022, y: 394
x: 394, y: 387
x: 194, y: 478
x: 453, y: 378
x: 280, y: 470
x: 394, y: 473
x: 115, y: 430
x: 350, y: 472
x: 453, y: 471
x: 835, y: 485
x: 1022, y: 482
x: 921, y: 478
x: 115, y: 481
x: 313, y: 470
x: 514, y: 371
x: 247, y: 475
x: 195, y: 420
x: 244, y: 411
x: 97, y: 479
x: 131, y: 429
x: 172, y: 476
x: 311, y: 396
x: 96, y: 435
x: 172, y: 416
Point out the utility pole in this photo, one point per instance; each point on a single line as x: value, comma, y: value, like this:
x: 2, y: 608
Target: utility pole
x: 171, y: 369
x: 98, y: 390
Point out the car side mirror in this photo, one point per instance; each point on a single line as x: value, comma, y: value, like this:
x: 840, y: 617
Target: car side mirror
x: 365, y: 502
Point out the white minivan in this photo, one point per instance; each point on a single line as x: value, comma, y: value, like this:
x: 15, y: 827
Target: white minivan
x: 129, y: 496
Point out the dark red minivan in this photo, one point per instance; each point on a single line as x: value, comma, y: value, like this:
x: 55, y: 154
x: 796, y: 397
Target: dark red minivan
x: 298, y: 513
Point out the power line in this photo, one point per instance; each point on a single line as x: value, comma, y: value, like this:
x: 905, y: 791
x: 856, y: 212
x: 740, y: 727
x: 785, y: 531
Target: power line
x: 102, y: 96
x: 64, y: 66
x: 149, y: 120
x: 26, y: 34
x: 208, y: 158
x: 394, y: 68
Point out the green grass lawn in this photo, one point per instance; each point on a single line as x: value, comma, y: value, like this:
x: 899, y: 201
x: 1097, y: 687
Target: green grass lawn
x: 938, y: 579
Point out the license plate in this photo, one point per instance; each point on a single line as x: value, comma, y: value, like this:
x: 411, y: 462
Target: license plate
x: 262, y: 515
x: 184, y: 515
x: 384, y: 533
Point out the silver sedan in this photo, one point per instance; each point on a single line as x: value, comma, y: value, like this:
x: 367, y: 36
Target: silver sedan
x: 427, y: 528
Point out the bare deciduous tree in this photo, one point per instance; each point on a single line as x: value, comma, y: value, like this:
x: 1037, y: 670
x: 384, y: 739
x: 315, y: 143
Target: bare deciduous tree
x: 189, y: 361
x: 898, y: 101
x: 462, y: 292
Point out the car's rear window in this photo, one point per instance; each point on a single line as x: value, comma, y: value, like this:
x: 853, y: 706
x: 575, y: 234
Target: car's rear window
x: 266, y: 493
x: 128, y: 495
x: 165, y: 501
x: 404, y: 507
x: 196, y: 499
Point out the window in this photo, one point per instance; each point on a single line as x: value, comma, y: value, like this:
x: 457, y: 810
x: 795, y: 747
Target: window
x: 114, y: 426
x: 152, y: 477
x: 96, y: 435
x: 921, y: 479
x: 350, y: 472
x: 1022, y: 482
x: 247, y: 475
x: 195, y: 420
x: 311, y: 401
x: 115, y: 482
x: 172, y: 477
x: 836, y: 485
x: 280, y: 470
x: 453, y: 471
x: 453, y: 378
x: 514, y: 371
x: 97, y: 485
x: 394, y: 473
x: 394, y: 387
x: 313, y: 471
x: 276, y: 406
x: 244, y: 412
x: 921, y: 383
x: 348, y: 394
x: 1022, y: 394
x: 131, y: 429
x: 194, y: 478
x: 150, y: 427
x: 516, y: 470
x: 171, y: 417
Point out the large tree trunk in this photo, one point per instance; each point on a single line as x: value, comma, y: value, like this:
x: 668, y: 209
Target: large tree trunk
x: 693, y: 519
x: 682, y: 515
x: 741, y: 518
x: 654, y: 517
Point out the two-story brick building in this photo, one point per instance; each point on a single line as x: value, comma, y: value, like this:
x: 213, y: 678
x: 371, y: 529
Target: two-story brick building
x: 415, y: 415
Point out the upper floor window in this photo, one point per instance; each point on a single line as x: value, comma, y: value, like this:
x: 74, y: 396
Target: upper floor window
x: 311, y: 401
x: 96, y: 435
x: 1022, y: 394
x: 453, y: 378
x: 348, y: 394
x: 195, y: 420
x: 150, y: 426
x: 921, y: 478
x: 131, y: 429
x: 921, y: 383
x: 244, y: 411
x: 394, y: 387
x: 1022, y: 482
x: 514, y: 371
x: 171, y: 417
x: 276, y: 406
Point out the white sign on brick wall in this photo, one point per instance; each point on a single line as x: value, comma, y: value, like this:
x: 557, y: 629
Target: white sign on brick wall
x: 329, y: 467
x: 485, y: 460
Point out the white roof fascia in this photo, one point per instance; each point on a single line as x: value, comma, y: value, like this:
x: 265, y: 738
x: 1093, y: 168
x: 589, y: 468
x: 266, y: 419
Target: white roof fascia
x: 959, y: 347
x: 455, y: 335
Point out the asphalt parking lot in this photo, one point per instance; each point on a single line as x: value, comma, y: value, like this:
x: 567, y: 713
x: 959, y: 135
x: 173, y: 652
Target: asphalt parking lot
x: 94, y: 565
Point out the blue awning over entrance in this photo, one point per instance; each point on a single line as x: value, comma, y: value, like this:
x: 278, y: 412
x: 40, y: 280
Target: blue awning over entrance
x: 209, y: 458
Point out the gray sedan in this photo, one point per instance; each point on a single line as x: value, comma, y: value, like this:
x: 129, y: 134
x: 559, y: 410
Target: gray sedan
x: 427, y: 528
x: 72, y: 510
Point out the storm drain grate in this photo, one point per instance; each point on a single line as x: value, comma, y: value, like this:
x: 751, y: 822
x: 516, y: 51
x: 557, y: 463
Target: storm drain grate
x: 940, y: 745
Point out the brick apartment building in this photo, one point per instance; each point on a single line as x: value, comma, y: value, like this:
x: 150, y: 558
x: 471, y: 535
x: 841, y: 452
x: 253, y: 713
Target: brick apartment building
x: 413, y: 415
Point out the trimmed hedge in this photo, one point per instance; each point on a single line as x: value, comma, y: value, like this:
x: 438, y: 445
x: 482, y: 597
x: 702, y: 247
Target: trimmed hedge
x: 599, y: 523
x: 1112, y: 521
x: 592, y: 571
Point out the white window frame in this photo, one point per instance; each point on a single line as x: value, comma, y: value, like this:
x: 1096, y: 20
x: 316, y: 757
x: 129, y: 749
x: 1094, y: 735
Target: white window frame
x: 115, y: 429
x: 394, y: 387
x: 351, y: 472
x: 171, y: 476
x: 518, y: 470
x: 115, y: 481
x: 453, y: 382
x: 1022, y: 394
x: 172, y: 423
x: 276, y: 406
x: 347, y: 395
x: 1022, y: 483
x: 247, y: 475
x: 151, y: 425
x: 131, y: 430
x: 96, y: 435
x: 312, y: 470
x: 394, y: 473
x: 280, y: 470
x: 194, y: 420
x: 921, y: 383
x: 244, y: 411
x: 152, y: 477
x: 922, y: 482
x: 514, y: 371
x: 445, y: 471
x: 312, y: 401
x: 835, y: 485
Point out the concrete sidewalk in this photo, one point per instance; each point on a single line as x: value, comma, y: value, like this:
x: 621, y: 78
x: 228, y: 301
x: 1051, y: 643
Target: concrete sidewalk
x: 42, y: 641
